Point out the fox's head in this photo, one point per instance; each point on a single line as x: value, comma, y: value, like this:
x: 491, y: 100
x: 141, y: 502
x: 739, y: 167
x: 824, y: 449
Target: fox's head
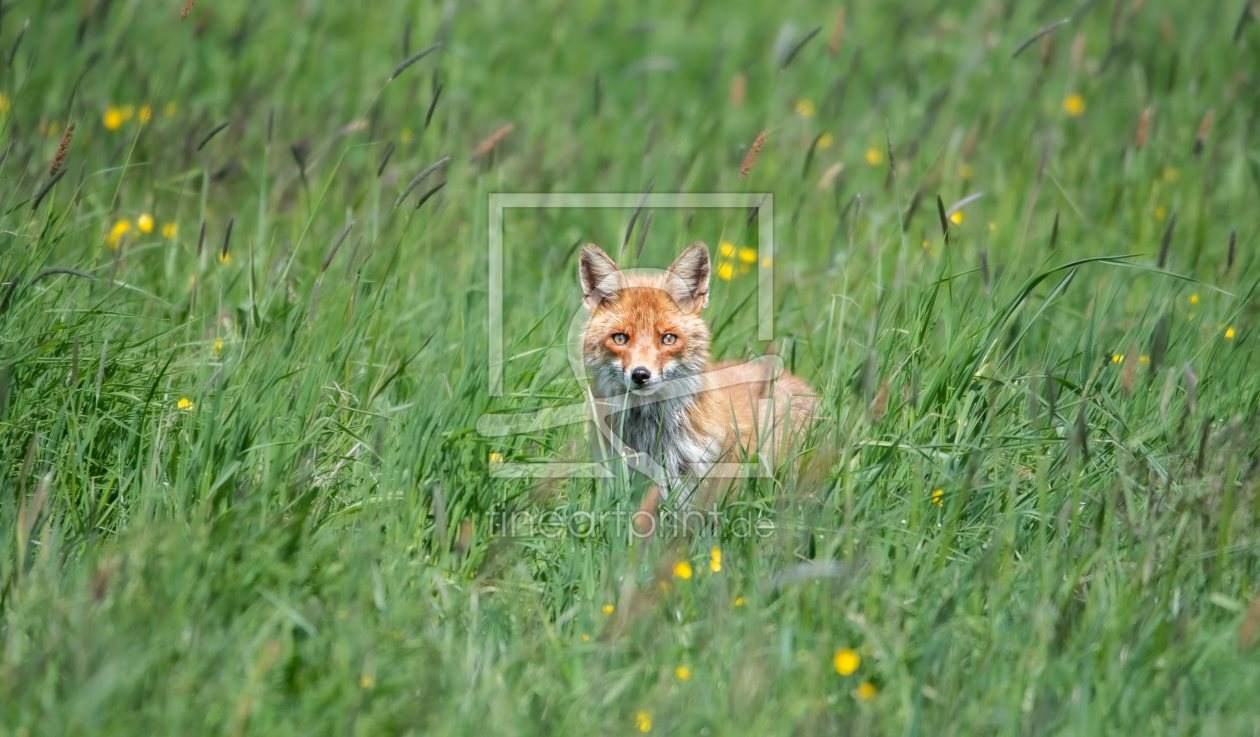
x: 644, y: 328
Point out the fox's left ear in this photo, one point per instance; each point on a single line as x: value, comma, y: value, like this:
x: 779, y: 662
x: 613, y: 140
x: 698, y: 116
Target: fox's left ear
x: 690, y: 288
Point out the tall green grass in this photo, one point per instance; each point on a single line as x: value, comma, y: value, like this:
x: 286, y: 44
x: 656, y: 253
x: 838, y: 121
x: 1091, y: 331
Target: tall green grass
x: 232, y: 504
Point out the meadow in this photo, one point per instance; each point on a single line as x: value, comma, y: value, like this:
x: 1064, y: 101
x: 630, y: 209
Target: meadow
x: 245, y: 356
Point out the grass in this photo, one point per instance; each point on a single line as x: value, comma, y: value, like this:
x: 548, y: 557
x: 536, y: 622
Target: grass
x: 231, y: 507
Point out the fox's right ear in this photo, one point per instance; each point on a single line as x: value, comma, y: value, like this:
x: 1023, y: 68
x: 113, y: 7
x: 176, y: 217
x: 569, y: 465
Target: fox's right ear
x: 690, y: 285
x: 599, y: 275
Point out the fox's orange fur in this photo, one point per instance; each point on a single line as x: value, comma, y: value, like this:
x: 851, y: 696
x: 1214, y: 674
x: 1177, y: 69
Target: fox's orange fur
x: 645, y: 332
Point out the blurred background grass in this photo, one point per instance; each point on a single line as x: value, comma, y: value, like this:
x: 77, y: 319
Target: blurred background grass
x: 242, y: 489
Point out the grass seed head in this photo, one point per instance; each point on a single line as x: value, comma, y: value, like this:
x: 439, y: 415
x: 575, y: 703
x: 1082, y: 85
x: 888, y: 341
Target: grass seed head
x: 1167, y: 241
x: 1144, y: 124
x: 837, y: 32
x: 1130, y: 370
x: 44, y: 190
x: 437, y: 94
x: 1250, y: 627
x: 419, y: 178
x: 63, y: 148
x: 412, y: 60
x: 389, y: 151
x: 227, y: 238
x: 213, y: 132
x: 432, y: 191
x: 751, y: 157
x: 336, y: 244
x: 1205, y: 128
x: 493, y: 140
x: 1159, y: 341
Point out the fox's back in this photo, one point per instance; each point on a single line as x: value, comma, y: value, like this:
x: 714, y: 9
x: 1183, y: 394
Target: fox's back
x: 756, y: 410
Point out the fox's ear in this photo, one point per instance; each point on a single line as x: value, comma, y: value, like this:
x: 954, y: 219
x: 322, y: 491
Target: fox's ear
x: 599, y: 275
x: 690, y: 288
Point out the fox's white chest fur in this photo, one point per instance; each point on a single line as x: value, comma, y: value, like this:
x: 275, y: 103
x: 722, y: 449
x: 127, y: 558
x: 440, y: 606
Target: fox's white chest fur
x: 663, y: 430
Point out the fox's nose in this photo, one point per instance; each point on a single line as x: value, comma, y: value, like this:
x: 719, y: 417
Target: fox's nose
x: 640, y: 375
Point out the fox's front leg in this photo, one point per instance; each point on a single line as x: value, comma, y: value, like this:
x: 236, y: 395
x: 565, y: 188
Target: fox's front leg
x: 645, y: 519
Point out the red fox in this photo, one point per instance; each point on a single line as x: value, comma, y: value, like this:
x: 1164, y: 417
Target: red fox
x: 645, y: 336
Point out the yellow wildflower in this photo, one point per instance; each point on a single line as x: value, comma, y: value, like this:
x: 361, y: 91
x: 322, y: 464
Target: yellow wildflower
x: 866, y: 691
x: 715, y: 559
x: 169, y: 230
x: 727, y: 248
x: 120, y: 227
x: 586, y: 637
x: 1144, y: 360
x: 225, y: 258
x: 145, y: 223
x: 366, y: 681
x: 739, y: 601
x: 938, y: 497
x: 747, y: 255
x: 683, y: 673
x: 609, y: 609
x: 725, y: 271
x: 805, y: 108
x: 1074, y: 104
x: 846, y: 661
x: 185, y: 404
x: 825, y: 141
x: 643, y: 721
x: 874, y: 156
x: 128, y: 112
x: 956, y: 218
x: 218, y: 346
x: 1194, y: 299
x: 145, y: 114
x: 683, y: 569
x: 496, y: 457
x: 1117, y: 358
x: 766, y: 262
x: 113, y: 119
x: 1229, y: 332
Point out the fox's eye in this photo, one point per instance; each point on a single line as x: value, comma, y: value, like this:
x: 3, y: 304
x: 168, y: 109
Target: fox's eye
x: 620, y: 338
x: 669, y: 339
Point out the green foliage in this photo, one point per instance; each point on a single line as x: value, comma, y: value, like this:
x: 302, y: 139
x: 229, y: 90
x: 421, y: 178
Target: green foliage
x: 246, y: 493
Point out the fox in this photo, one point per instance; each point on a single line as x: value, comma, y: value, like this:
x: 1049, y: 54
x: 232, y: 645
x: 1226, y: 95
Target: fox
x: 646, y: 349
